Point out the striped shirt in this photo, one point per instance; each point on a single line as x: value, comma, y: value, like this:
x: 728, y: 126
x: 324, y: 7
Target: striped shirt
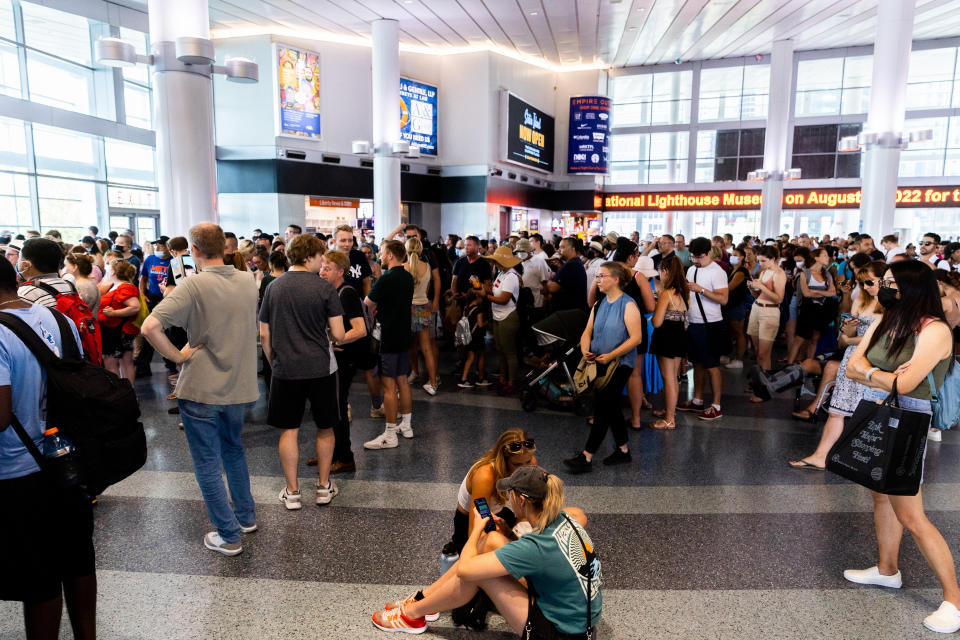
x: 36, y: 295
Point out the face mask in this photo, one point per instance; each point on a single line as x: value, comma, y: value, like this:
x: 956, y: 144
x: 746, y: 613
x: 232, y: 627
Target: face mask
x: 523, y: 255
x: 799, y: 263
x: 888, y: 297
x: 461, y: 253
x: 158, y: 254
x: 734, y: 260
x: 19, y: 269
x: 851, y: 253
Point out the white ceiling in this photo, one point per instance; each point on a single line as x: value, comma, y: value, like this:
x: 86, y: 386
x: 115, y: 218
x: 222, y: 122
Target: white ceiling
x: 588, y: 32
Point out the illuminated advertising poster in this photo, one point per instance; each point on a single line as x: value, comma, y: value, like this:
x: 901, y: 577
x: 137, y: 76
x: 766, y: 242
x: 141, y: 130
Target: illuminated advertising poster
x: 418, y: 115
x: 527, y: 134
x: 299, y: 84
x: 588, y: 146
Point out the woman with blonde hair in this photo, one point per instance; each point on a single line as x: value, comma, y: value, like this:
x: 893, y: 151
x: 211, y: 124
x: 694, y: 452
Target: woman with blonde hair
x: 561, y: 592
x: 421, y: 316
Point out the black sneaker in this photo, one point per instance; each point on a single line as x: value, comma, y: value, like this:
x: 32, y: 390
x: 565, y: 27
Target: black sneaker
x: 578, y: 464
x: 617, y: 457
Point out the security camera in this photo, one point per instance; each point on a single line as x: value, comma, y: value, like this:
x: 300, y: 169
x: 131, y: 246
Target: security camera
x: 759, y: 57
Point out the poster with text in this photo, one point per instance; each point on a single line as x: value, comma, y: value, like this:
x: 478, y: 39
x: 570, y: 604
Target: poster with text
x: 589, y: 147
x: 418, y: 115
x: 299, y: 84
x: 527, y: 134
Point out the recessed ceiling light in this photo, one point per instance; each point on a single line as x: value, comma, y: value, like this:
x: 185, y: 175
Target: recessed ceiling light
x: 533, y: 13
x: 632, y: 29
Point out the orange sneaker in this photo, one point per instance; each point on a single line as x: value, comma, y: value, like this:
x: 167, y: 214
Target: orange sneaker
x: 396, y: 604
x: 394, y: 621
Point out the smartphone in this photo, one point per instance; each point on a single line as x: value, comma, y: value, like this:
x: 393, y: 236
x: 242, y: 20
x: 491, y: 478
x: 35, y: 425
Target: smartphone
x: 484, y: 510
x: 847, y: 316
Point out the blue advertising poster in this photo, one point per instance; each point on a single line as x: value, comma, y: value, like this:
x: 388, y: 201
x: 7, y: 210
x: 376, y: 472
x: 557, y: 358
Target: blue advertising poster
x: 589, y: 147
x: 298, y: 73
x: 418, y: 115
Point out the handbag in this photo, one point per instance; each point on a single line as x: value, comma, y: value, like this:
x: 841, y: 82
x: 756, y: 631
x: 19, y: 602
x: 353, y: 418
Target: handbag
x: 882, y: 447
x: 718, y: 333
x: 593, y: 375
x: 141, y: 314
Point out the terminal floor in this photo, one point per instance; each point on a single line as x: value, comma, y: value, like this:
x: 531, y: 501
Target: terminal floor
x: 707, y: 533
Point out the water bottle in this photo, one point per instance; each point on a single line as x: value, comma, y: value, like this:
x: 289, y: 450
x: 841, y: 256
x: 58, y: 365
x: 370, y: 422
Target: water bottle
x: 61, y: 458
x: 447, y: 560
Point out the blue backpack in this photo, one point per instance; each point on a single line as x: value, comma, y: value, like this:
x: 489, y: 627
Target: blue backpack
x: 946, y: 400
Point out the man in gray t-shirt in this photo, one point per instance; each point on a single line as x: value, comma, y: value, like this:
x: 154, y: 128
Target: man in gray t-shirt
x: 218, y: 308
x: 297, y: 309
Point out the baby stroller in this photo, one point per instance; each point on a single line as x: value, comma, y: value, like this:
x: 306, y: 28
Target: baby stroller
x: 560, y: 333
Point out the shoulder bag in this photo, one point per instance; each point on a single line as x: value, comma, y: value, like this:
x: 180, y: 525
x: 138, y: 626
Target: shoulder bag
x: 718, y: 333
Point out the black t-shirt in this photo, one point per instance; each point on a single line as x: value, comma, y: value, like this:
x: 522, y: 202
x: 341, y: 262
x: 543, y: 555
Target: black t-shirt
x: 657, y: 259
x: 876, y: 254
x: 393, y: 293
x: 352, y: 308
x: 463, y: 270
x: 572, y: 278
x: 359, y: 269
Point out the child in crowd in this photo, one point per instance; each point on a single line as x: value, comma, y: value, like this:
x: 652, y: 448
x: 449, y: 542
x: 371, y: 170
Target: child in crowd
x: 476, y: 350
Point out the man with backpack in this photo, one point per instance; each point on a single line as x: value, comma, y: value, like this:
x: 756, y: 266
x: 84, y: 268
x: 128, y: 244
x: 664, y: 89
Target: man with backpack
x: 39, y: 265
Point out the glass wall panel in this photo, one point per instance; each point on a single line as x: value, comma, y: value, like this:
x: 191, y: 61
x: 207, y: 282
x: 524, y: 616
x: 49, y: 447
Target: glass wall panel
x: 734, y: 93
x: 8, y: 29
x: 60, y: 84
x: 9, y: 71
x: 137, y: 101
x: 661, y: 98
x: 13, y: 145
x: 14, y: 202
x: 129, y: 163
x: 833, y: 86
x: 66, y: 153
x: 63, y: 34
x: 930, y: 83
x: 925, y: 158
x: 138, y: 73
x: 69, y: 206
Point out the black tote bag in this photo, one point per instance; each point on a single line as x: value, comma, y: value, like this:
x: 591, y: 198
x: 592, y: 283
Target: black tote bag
x: 882, y: 447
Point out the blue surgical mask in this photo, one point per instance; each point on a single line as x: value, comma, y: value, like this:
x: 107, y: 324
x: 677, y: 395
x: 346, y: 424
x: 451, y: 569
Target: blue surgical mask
x: 158, y: 254
x: 461, y: 253
x: 734, y: 260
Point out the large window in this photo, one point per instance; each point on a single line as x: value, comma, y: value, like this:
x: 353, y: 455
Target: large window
x: 652, y: 99
x: 815, y: 151
x: 931, y: 79
x: 136, y: 84
x: 833, y: 86
x: 15, y: 212
x: 649, y: 158
x: 734, y: 93
x: 728, y: 154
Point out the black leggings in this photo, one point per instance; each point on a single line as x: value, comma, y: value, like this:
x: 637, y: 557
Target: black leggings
x: 341, y: 449
x: 607, y: 413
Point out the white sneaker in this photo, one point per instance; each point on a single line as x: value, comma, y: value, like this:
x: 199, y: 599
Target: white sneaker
x: 430, y: 389
x: 290, y: 500
x: 734, y: 364
x: 411, y: 377
x: 386, y: 440
x: 406, y: 430
x: 724, y: 359
x: 250, y: 528
x: 946, y: 619
x: 214, y: 542
x: 934, y: 435
x: 328, y: 493
x: 873, y: 576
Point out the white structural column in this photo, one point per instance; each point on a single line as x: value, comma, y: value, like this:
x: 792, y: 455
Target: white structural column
x: 776, y: 137
x: 183, y: 118
x: 881, y: 162
x: 386, y: 125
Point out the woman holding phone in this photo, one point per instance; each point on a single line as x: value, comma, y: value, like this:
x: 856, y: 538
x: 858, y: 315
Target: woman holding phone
x: 768, y: 290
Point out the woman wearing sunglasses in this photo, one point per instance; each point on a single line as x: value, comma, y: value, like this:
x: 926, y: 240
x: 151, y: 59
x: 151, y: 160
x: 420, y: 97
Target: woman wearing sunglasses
x: 846, y: 393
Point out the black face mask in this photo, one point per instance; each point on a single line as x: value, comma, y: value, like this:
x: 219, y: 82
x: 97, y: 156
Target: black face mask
x: 888, y: 297
x: 228, y: 258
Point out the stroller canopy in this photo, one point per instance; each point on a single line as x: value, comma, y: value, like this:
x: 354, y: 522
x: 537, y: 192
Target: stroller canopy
x: 561, y: 326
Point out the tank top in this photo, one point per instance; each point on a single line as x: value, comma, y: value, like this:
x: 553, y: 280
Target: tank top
x: 610, y: 330
x: 420, y: 289
x: 879, y: 356
x: 466, y: 504
x: 737, y: 295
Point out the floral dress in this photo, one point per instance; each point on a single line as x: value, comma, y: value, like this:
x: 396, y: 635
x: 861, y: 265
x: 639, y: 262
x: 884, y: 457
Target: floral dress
x: 847, y: 393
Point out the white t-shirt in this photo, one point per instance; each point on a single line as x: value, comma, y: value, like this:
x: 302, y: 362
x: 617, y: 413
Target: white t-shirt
x: 593, y: 268
x: 711, y: 278
x: 937, y: 262
x: 896, y: 251
x: 535, y: 272
x: 506, y: 281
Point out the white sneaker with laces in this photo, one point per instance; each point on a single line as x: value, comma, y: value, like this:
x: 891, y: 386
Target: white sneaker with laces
x: 946, y: 619
x: 406, y: 430
x: 934, y: 435
x: 873, y: 576
x: 290, y: 500
x: 250, y: 528
x: 327, y: 493
x: 430, y: 389
x: 386, y: 440
x: 734, y: 364
x: 214, y: 542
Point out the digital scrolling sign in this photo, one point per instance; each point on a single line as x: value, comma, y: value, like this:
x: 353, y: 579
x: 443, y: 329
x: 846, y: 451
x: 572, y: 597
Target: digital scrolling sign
x: 418, y: 115
x: 588, y: 146
x: 839, y: 198
x: 527, y: 134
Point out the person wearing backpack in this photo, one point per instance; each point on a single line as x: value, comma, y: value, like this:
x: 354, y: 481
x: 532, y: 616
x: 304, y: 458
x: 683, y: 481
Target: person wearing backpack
x: 119, y: 307
x: 474, y: 340
x: 30, y: 499
x: 39, y: 265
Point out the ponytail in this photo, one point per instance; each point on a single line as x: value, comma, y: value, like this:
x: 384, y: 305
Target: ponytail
x: 414, y: 247
x: 552, y: 503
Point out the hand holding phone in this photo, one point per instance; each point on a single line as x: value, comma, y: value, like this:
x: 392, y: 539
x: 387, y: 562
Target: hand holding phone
x: 484, y: 511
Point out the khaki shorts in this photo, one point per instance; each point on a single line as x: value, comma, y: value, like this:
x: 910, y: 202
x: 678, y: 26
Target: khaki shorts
x: 764, y: 322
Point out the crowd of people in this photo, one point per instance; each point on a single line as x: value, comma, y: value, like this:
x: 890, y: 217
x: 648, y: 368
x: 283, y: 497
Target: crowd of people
x: 309, y: 312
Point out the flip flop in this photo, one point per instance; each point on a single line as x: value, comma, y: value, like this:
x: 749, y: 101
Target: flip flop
x: 805, y: 465
x: 663, y: 425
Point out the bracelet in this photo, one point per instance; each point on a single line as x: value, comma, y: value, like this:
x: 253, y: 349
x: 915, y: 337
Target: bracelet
x: 870, y: 372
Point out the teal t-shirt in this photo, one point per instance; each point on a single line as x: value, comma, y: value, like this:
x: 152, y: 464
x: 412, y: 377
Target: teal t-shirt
x: 550, y: 562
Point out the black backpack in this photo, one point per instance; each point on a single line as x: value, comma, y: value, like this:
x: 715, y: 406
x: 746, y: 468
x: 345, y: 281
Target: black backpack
x: 94, y: 408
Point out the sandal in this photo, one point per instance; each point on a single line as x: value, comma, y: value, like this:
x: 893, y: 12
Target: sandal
x: 659, y: 413
x: 803, y: 464
x: 663, y: 425
x: 645, y: 404
x: 804, y: 415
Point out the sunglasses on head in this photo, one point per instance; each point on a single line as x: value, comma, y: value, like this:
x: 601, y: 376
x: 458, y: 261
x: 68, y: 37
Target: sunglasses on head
x: 516, y: 447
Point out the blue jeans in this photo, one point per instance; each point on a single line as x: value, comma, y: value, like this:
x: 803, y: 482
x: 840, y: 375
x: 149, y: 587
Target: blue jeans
x: 213, y: 433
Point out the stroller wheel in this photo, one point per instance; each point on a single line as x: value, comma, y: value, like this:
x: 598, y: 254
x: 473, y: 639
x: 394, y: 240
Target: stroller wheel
x: 528, y: 400
x: 582, y: 405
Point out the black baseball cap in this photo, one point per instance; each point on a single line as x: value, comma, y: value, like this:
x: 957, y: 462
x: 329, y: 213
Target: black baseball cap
x: 161, y: 240
x: 527, y: 480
